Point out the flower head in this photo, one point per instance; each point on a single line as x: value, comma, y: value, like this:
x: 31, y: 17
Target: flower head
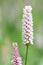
x: 16, y: 59
x: 27, y: 25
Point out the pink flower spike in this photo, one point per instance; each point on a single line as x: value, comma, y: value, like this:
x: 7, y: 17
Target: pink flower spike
x: 16, y: 59
x: 27, y: 25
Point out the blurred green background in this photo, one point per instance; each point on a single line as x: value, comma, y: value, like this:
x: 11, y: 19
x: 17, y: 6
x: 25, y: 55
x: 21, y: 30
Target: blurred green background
x: 11, y: 12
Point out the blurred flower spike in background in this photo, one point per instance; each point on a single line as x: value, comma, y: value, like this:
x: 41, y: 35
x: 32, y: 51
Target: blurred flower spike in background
x: 16, y: 59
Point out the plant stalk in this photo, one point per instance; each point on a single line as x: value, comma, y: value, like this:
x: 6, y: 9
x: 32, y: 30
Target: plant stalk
x: 26, y: 54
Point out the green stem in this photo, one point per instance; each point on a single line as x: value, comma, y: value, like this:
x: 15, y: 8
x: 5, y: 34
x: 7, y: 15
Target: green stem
x: 26, y: 54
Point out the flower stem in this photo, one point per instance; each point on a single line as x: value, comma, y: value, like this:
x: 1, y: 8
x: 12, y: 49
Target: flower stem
x: 26, y: 54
